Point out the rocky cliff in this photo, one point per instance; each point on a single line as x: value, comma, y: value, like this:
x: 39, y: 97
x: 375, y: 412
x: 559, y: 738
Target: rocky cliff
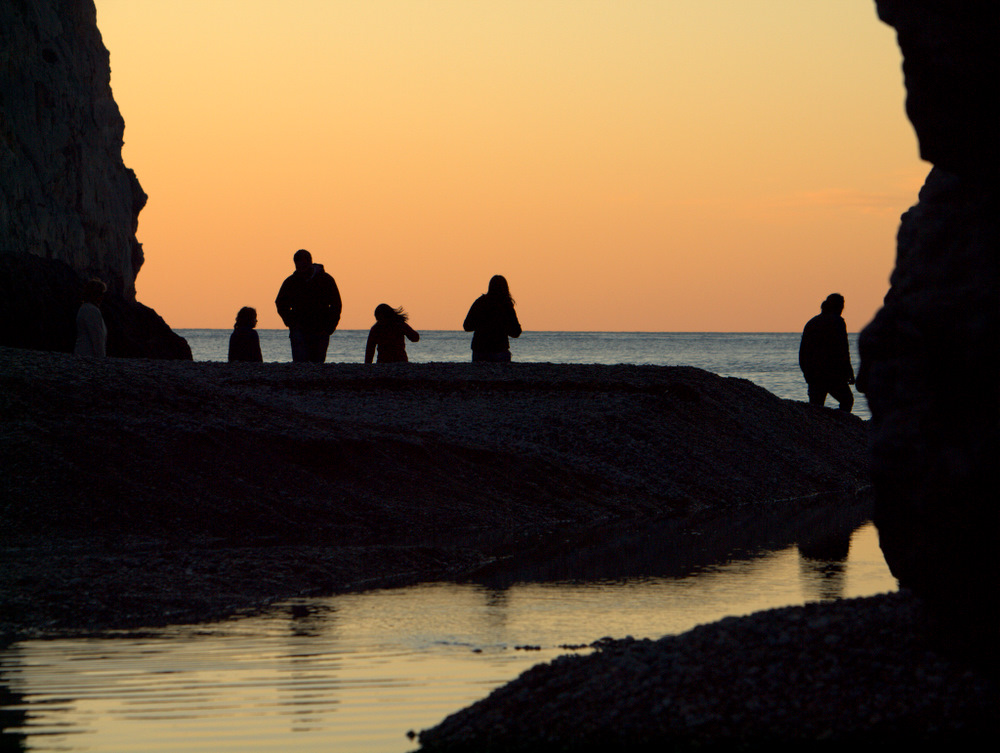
x: 929, y: 359
x: 69, y: 206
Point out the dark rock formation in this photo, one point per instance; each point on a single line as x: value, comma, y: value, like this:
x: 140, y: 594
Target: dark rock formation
x: 950, y: 62
x: 38, y: 311
x: 105, y: 460
x: 849, y: 674
x: 65, y: 195
x: 929, y: 359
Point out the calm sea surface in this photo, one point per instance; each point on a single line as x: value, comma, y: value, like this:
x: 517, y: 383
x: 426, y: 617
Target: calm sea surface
x: 767, y: 359
x: 355, y: 672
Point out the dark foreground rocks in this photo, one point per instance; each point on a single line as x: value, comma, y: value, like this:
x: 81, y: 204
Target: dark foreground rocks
x: 140, y: 492
x: 930, y: 360
x: 819, y: 677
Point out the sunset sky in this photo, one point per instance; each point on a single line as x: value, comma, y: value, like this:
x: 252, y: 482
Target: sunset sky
x: 661, y: 165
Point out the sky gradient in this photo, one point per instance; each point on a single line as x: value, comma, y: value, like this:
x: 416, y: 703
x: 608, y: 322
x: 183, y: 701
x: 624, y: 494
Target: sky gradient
x: 691, y: 165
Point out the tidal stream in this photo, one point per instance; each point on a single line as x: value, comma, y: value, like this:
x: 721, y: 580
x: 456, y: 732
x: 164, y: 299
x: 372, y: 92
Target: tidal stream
x: 355, y: 672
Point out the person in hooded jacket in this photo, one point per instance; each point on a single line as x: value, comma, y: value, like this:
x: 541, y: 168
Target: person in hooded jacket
x: 309, y: 304
x: 825, y: 355
x: 492, y: 320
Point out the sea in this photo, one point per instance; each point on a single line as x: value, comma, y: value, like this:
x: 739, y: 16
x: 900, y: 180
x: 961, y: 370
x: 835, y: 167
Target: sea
x: 768, y: 359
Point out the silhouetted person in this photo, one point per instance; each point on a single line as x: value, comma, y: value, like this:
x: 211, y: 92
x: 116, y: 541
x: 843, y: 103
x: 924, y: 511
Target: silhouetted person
x: 244, y: 344
x: 309, y: 304
x: 825, y: 356
x: 492, y: 320
x: 389, y: 334
x: 91, y: 332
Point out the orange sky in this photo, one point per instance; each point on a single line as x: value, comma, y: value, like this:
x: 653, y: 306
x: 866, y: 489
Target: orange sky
x: 681, y: 165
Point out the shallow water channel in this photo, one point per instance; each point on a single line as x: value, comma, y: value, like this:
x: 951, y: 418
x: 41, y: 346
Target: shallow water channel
x: 355, y: 672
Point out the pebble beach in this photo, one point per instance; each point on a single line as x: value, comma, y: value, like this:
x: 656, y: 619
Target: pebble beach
x: 140, y: 493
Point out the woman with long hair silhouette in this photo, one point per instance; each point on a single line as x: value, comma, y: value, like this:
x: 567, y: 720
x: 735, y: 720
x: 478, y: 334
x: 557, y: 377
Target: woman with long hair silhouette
x: 492, y: 320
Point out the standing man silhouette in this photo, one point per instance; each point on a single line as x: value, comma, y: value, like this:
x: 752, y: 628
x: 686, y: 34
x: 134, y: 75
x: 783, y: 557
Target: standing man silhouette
x: 825, y: 356
x: 309, y: 304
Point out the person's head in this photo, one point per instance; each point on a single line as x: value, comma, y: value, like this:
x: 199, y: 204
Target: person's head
x: 499, y: 289
x: 94, y: 290
x: 834, y: 304
x: 303, y: 261
x: 246, y: 317
x: 385, y: 313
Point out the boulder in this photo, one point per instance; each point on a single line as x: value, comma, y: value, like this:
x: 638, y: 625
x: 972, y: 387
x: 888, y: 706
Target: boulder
x: 929, y: 359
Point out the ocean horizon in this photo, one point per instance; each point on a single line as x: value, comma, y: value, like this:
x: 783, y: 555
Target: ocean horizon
x: 768, y: 359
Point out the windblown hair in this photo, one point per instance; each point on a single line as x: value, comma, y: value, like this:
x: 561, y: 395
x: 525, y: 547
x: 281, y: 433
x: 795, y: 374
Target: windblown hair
x: 385, y: 313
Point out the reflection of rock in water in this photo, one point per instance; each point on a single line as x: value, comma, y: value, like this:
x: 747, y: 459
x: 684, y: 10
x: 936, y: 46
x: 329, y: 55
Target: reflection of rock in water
x: 834, y: 545
x: 13, y: 715
x: 822, y: 557
x: 677, y: 547
x: 824, y: 579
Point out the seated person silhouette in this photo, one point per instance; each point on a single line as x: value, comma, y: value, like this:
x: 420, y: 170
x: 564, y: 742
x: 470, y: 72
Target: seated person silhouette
x: 244, y: 344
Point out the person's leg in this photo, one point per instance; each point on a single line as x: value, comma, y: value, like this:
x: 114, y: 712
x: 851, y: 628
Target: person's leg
x: 843, y: 394
x: 487, y: 357
x: 318, y: 345
x: 817, y: 394
x: 300, y: 347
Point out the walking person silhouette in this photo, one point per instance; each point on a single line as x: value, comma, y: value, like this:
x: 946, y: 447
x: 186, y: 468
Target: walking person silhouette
x: 309, y: 304
x: 825, y: 356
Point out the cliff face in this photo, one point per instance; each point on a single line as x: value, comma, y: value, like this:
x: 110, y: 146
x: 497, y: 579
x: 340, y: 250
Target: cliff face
x: 929, y: 359
x: 66, y: 197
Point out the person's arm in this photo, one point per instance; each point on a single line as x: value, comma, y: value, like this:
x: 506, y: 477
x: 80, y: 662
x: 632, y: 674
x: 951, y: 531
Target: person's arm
x: 336, y: 306
x: 472, y: 318
x: 807, y: 358
x: 370, y: 346
x: 846, y: 354
x: 513, y: 325
x: 411, y: 334
x: 281, y: 303
x: 257, y: 355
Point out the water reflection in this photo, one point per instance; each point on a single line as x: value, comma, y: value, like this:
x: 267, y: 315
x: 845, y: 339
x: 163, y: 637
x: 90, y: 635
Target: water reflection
x: 821, y: 527
x: 356, y: 671
x: 13, y: 716
x: 311, y: 627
